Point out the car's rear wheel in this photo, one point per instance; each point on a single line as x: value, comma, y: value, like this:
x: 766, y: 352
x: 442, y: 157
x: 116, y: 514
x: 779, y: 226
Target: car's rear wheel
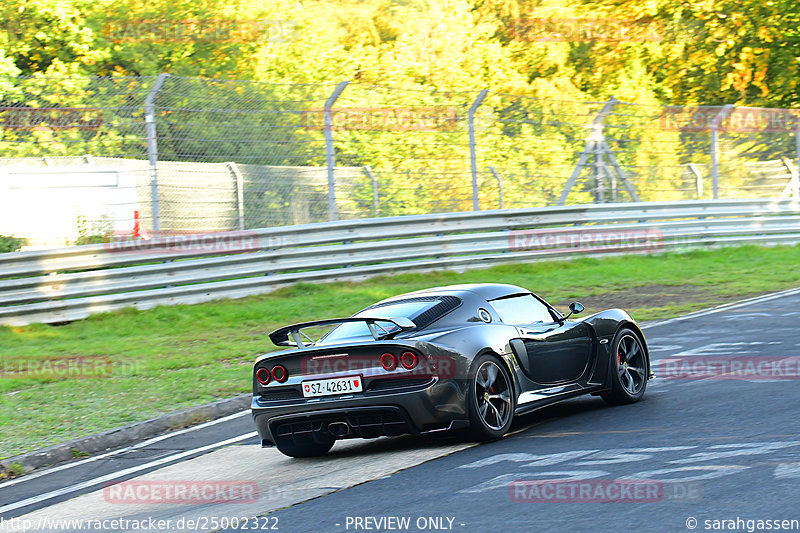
x: 306, y: 447
x: 491, y: 399
x: 629, y: 369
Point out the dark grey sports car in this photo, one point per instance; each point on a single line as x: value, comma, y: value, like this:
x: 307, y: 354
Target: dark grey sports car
x: 459, y: 357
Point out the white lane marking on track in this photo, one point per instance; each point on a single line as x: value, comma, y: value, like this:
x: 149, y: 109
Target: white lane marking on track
x: 612, y: 457
x: 725, y: 348
x: 120, y: 473
x: 787, y: 471
x: 674, y: 471
x: 142, y: 444
x: 663, y: 449
x: 711, y: 472
x: 666, y: 347
x: 503, y: 480
x: 530, y: 458
x: 725, y: 307
x: 756, y: 448
x: 746, y: 316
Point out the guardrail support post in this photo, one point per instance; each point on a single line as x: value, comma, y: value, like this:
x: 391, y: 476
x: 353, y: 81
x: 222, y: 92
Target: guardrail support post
x: 473, y: 159
x: 330, y: 155
x: 152, y: 147
x: 715, y: 124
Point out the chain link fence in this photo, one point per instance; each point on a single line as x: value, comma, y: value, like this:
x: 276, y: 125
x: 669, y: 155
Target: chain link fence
x: 172, y: 154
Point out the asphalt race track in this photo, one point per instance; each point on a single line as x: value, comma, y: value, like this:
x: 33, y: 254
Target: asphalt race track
x: 723, y: 448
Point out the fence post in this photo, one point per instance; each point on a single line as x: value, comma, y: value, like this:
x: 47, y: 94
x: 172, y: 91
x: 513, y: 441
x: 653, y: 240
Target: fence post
x: 715, y: 124
x: 796, y: 184
x: 599, y: 182
x: 499, y: 186
x: 793, y: 187
x: 330, y: 155
x: 473, y: 159
x: 371, y: 176
x: 239, y: 192
x: 698, y: 179
x: 152, y: 147
x: 797, y: 140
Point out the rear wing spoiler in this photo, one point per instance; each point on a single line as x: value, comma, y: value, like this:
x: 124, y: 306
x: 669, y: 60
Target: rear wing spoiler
x: 293, y: 336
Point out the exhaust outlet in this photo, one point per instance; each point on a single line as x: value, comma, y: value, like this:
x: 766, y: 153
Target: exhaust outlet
x: 338, y: 429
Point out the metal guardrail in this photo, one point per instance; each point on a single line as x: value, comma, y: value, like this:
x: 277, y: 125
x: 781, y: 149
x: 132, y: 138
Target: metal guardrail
x: 71, y: 283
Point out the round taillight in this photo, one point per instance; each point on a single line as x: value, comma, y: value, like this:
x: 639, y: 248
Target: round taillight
x: 279, y: 373
x: 388, y: 361
x: 409, y: 360
x: 262, y: 375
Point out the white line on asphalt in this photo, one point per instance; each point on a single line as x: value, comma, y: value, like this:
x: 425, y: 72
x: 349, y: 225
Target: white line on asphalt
x: 142, y: 444
x: 725, y: 307
x: 121, y: 473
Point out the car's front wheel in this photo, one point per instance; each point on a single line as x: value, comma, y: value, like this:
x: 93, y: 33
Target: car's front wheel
x: 629, y: 369
x: 491, y: 399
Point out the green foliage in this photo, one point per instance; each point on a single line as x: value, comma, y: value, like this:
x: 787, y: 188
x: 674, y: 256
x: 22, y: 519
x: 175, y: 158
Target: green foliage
x: 14, y: 470
x: 536, y: 57
x: 10, y: 243
x: 741, y: 52
x: 95, y: 231
x: 76, y: 453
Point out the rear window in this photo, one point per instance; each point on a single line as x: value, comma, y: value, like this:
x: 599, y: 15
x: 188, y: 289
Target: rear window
x: 402, y: 309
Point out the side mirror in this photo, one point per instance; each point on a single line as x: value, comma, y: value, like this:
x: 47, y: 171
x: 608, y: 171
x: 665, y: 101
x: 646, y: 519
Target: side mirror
x: 574, y: 309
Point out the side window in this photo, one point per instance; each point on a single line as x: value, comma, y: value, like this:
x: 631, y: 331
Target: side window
x: 520, y: 310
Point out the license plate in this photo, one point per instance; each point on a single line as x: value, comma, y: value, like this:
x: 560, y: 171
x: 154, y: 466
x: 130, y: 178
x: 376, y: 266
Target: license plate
x: 329, y: 387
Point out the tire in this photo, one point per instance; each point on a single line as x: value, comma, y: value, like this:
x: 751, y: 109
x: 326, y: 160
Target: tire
x: 304, y: 448
x: 629, y: 367
x: 490, y: 400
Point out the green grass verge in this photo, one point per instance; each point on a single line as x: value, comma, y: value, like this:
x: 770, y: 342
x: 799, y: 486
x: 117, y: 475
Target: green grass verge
x: 170, y: 358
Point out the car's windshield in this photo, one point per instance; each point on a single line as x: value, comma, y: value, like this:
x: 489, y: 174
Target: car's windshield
x: 351, y: 330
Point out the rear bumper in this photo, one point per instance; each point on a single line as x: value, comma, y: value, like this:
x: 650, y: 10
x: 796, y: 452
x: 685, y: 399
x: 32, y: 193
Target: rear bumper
x: 432, y: 407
